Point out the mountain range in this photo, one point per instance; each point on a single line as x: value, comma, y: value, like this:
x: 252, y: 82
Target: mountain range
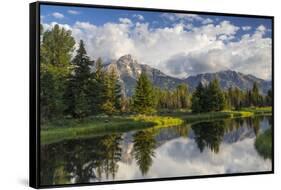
x: 128, y: 70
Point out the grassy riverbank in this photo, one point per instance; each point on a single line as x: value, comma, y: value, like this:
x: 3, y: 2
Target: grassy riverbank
x: 79, y: 128
x: 75, y: 128
x: 259, y: 110
x: 216, y: 115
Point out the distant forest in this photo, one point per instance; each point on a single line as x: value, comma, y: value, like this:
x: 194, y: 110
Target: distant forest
x: 70, y: 88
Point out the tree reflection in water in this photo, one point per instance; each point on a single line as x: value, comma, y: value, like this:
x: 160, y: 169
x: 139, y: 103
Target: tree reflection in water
x: 80, y: 161
x: 209, y: 134
x: 144, y: 146
x: 254, y: 123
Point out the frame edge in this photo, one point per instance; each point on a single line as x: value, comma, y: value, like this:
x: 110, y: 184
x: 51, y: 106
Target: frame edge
x: 33, y: 130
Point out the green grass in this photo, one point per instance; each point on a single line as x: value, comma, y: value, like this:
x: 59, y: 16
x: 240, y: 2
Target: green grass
x: 160, y: 121
x: 199, y: 117
x: 259, y: 110
x: 263, y: 144
x: 73, y: 128
x: 191, y: 118
x: 84, y: 128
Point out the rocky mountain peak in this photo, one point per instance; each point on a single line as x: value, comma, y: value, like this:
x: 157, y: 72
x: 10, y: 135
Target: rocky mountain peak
x: 128, y: 70
x: 126, y: 59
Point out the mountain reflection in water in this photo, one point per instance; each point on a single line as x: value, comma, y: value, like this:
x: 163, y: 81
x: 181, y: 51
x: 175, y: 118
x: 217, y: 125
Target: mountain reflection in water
x: 217, y: 147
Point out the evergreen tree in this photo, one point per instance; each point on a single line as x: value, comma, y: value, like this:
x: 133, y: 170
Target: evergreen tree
x: 70, y: 97
x: 118, y: 97
x: 112, y: 92
x: 216, y: 100
x: 182, y: 96
x: 237, y: 98
x: 230, y: 97
x: 198, y: 99
x: 209, y: 98
x: 143, y: 98
x: 76, y: 95
x: 248, y: 98
x: 255, y: 95
x: 268, y: 98
x: 96, y: 89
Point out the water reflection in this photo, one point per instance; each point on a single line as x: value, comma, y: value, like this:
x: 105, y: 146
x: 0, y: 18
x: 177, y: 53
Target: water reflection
x: 209, y: 134
x: 144, y: 146
x: 80, y: 161
x: 215, y: 147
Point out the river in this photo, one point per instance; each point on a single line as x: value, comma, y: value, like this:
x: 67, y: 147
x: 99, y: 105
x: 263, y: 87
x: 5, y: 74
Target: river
x: 205, y: 148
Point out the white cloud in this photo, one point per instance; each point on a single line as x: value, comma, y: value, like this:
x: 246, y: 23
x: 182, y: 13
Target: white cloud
x: 260, y: 31
x: 261, y: 28
x: 250, y: 55
x: 246, y: 28
x: 182, y: 49
x: 181, y: 157
x: 73, y: 12
x: 180, y: 16
x: 189, y: 17
x: 52, y: 24
x: 207, y: 21
x: 139, y: 17
x: 125, y: 21
x: 58, y: 15
x: 109, y: 41
x: 226, y: 37
x: 212, y: 31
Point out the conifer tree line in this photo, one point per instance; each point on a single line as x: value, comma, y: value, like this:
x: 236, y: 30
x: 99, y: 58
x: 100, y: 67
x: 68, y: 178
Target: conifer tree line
x: 173, y: 99
x: 71, y: 85
x: 208, y: 98
x: 211, y: 98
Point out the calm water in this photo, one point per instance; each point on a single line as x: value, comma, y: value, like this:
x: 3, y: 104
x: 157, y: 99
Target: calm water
x: 216, y: 147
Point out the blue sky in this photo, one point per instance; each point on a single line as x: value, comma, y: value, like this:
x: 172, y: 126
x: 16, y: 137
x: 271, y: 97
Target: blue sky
x: 99, y: 16
x: 178, y: 44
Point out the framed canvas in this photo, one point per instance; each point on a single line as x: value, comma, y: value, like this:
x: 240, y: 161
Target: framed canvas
x: 126, y: 94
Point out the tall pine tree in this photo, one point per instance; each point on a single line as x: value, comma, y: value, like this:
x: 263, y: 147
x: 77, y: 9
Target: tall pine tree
x: 216, y: 100
x: 143, y: 98
x: 110, y: 92
x: 256, y: 98
x: 198, y: 99
x: 96, y: 89
x: 76, y: 95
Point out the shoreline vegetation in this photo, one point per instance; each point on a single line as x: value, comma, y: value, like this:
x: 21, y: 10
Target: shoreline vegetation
x: 65, y: 129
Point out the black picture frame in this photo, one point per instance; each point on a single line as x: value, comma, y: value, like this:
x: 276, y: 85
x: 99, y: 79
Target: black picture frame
x: 34, y: 95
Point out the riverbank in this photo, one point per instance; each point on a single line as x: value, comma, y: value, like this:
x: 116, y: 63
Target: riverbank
x: 100, y: 125
x: 75, y: 128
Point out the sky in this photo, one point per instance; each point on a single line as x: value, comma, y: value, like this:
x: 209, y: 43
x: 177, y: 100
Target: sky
x: 179, y: 45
